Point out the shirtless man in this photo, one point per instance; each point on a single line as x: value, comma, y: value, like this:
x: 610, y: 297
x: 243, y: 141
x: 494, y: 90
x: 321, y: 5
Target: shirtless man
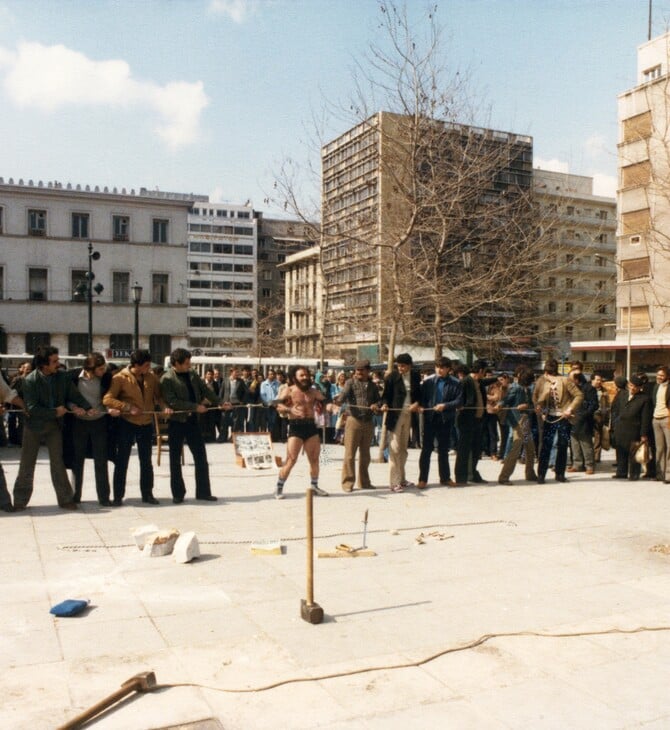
x: 297, y: 400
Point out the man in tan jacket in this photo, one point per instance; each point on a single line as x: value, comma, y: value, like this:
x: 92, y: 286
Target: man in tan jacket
x: 134, y: 395
x: 556, y: 399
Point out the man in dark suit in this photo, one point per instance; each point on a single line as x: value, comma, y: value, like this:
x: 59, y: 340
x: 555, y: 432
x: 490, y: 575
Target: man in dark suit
x: 470, y: 422
x: 633, y: 426
x: 401, y: 397
x: 441, y: 395
x: 233, y: 393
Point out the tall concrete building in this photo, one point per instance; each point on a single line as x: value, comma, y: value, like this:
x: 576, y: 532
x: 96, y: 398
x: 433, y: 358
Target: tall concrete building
x: 221, y: 283
x: 278, y: 239
x: 643, y: 292
x: 366, y: 173
x: 50, y: 233
x: 577, y: 300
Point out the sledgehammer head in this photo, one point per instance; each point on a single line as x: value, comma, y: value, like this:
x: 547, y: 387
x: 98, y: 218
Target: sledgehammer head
x: 142, y: 682
x: 311, y: 612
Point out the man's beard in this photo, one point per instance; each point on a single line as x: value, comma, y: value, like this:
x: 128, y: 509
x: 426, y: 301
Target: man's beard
x: 304, y: 386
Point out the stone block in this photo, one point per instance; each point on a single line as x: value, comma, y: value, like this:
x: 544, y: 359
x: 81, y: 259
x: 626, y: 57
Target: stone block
x: 186, y: 548
x: 144, y: 533
x: 161, y: 544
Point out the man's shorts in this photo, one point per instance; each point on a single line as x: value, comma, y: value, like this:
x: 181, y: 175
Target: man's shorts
x: 302, y: 428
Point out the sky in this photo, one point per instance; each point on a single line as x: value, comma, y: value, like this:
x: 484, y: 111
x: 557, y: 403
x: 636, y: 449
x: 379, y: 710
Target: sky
x: 214, y: 96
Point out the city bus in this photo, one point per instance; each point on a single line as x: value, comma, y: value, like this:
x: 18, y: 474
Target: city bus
x: 224, y: 362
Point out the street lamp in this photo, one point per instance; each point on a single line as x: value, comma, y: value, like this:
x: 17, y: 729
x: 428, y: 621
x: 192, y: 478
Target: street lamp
x: 137, y: 298
x: 629, y: 327
x: 466, y: 253
x: 87, y: 289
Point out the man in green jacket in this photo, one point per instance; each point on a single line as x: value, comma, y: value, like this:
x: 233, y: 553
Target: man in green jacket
x: 48, y: 393
x: 187, y: 394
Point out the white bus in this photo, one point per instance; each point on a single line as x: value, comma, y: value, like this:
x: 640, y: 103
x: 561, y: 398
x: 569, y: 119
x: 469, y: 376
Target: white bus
x: 224, y: 362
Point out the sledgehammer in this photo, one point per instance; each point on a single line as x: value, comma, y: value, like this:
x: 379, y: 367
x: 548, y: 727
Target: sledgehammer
x: 142, y: 682
x: 310, y: 611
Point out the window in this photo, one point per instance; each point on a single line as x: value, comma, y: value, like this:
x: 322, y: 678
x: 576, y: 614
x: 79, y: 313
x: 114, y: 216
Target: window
x: 281, y: 257
x: 635, y: 221
x: 265, y: 293
x: 37, y: 285
x: 639, y: 317
x: 2, y: 281
x: 161, y: 227
x: 551, y: 307
x: 200, y: 246
x: 160, y: 346
x: 267, y: 275
x: 637, y: 127
x: 78, y: 278
x: 120, y: 287
x: 602, y: 309
x: 652, y: 73
x: 569, y: 258
x: 243, y: 214
x: 35, y: 339
x: 239, y: 231
x: 569, y: 283
x: 570, y: 210
x: 222, y: 248
x: 37, y: 222
x: 551, y: 282
x: 159, y: 289
x: 120, y: 227
x: 569, y: 307
x: 244, y: 268
x: 80, y: 225
x: 569, y: 330
x: 77, y: 343
x: 244, y: 250
x: 120, y: 342
x: 222, y: 213
x: 633, y: 176
x: 1, y: 211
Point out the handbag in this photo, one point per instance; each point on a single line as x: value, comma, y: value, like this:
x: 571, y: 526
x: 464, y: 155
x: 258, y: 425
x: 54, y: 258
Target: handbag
x: 642, y: 453
x: 605, y: 440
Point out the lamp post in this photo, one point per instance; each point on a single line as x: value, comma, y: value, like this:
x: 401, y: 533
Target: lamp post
x: 137, y: 298
x: 466, y: 253
x: 89, y: 289
x: 629, y: 326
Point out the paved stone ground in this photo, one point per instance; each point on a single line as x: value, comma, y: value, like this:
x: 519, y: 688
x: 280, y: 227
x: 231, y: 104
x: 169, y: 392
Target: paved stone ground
x: 573, y: 560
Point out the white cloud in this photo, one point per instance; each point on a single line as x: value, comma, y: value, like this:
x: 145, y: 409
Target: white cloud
x: 50, y: 77
x: 604, y: 185
x: 237, y: 10
x: 553, y: 165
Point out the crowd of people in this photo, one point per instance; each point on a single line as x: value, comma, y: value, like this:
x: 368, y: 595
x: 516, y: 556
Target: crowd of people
x: 547, y: 422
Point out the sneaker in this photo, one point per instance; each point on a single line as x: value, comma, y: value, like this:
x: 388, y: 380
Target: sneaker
x: 319, y: 492
x: 397, y: 488
x: 279, y: 493
x: 408, y: 485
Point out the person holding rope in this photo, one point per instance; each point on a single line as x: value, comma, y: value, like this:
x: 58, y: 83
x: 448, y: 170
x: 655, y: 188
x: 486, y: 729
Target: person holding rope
x: 7, y: 395
x: 517, y: 404
x: 298, y: 400
x: 47, y: 392
x: 134, y: 394
x: 556, y: 399
x: 441, y: 396
x: 401, y: 396
x: 188, y: 395
x: 362, y: 396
